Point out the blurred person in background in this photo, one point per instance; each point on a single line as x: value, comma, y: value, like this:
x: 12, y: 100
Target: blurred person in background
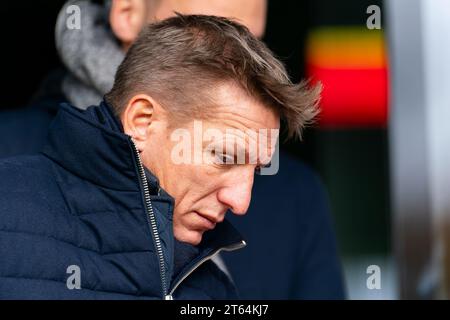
x: 291, y: 251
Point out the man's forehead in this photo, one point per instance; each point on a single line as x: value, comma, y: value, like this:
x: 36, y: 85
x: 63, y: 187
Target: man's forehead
x: 235, y: 108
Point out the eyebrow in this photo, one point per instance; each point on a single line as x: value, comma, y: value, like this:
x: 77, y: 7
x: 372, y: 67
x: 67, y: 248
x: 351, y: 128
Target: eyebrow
x: 238, y: 147
x: 247, y: 156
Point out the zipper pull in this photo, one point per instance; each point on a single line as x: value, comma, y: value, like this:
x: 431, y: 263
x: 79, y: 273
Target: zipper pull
x: 168, y: 297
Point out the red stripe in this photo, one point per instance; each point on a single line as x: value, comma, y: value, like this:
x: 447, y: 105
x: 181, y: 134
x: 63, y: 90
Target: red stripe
x: 352, y: 98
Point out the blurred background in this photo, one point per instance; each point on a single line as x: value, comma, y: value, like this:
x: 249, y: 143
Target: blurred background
x: 381, y: 145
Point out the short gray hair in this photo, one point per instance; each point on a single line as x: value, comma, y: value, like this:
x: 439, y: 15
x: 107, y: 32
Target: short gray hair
x: 179, y: 60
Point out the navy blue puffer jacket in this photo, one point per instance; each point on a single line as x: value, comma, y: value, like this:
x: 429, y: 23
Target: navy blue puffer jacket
x: 87, y: 201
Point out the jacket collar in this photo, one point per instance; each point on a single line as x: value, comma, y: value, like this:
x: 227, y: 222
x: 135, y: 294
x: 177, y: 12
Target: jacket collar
x: 91, y: 144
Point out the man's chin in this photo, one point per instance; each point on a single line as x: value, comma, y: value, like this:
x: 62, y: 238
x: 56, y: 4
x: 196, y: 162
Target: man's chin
x: 193, y: 237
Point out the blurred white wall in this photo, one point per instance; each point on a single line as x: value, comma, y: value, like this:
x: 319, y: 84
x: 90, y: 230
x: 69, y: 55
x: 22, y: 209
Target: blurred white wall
x: 419, y: 50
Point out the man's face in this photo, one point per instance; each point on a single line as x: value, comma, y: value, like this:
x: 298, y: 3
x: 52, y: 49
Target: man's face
x: 208, y: 165
x: 251, y: 13
x: 127, y: 18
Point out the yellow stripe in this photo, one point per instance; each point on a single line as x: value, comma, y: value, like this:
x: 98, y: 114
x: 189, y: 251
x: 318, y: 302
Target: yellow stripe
x: 346, y: 47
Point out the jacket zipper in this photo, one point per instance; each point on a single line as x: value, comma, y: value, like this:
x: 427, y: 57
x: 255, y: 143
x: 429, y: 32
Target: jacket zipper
x: 232, y: 247
x: 154, y: 229
x: 152, y: 221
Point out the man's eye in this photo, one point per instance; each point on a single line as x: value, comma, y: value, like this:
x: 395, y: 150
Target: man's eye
x: 226, y: 159
x: 221, y: 158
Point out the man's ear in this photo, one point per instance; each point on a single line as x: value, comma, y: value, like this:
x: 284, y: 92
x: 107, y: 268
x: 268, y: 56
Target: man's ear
x: 127, y: 18
x: 137, y: 118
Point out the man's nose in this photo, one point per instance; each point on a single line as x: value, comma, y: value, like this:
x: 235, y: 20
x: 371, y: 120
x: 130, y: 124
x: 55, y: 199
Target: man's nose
x: 238, y: 193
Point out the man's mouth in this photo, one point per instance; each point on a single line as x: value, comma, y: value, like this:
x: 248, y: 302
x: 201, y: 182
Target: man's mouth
x: 207, y: 222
